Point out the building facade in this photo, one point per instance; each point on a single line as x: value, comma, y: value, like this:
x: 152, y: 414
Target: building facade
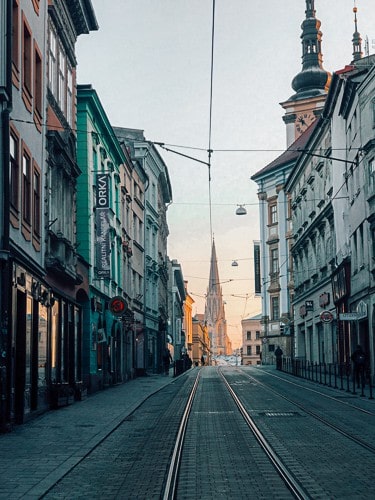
x: 40, y: 312
x: 301, y: 111
x: 252, y: 341
x: 158, y: 195
x: 201, y: 347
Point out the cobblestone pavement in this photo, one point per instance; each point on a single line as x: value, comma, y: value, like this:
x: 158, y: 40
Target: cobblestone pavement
x: 110, y: 440
x: 38, y: 453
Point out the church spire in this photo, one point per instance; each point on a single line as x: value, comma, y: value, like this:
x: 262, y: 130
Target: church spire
x: 213, y: 284
x: 357, y: 40
x: 313, y: 79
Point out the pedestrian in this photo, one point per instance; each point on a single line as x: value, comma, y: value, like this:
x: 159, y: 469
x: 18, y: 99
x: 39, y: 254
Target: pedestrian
x: 202, y: 360
x: 359, y: 360
x: 279, y: 356
x: 167, y: 358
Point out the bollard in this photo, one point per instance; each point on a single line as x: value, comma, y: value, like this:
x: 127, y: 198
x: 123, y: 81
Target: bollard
x: 341, y: 378
x: 370, y: 386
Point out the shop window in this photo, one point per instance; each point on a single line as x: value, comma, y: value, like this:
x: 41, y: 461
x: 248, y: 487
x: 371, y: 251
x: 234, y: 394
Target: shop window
x: 55, y: 376
x: 42, y: 345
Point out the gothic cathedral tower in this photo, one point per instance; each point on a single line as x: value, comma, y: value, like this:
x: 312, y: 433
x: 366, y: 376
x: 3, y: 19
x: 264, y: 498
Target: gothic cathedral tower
x: 311, y: 83
x: 214, y: 313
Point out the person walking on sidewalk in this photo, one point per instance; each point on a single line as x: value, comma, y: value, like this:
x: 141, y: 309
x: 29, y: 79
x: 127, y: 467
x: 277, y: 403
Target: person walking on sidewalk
x: 167, y: 358
x: 279, y: 357
x: 359, y: 360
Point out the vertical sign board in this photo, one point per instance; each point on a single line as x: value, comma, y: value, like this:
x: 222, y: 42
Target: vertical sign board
x: 257, y: 267
x: 102, y: 246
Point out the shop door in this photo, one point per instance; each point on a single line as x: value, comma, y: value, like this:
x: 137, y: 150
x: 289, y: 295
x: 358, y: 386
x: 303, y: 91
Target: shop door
x: 23, y: 358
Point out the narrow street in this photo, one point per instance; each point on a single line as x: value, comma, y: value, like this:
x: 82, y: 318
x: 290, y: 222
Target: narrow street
x: 118, y: 443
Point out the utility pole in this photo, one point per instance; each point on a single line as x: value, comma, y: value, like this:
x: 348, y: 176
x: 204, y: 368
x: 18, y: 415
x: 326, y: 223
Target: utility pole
x: 5, y: 263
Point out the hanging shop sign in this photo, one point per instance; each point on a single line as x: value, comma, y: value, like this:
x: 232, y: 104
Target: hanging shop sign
x: 326, y: 317
x: 309, y: 305
x: 118, y: 305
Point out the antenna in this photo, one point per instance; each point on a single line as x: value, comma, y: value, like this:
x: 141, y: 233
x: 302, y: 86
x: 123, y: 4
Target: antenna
x: 366, y: 46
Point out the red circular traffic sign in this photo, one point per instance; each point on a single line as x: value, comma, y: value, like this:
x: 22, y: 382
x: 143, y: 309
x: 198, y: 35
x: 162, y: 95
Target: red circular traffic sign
x: 118, y: 306
x: 326, y: 317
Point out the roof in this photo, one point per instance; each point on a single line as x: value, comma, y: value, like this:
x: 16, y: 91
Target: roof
x: 255, y: 318
x: 289, y: 155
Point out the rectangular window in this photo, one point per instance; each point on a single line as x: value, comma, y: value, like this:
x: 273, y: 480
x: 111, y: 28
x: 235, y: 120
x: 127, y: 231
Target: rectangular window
x: 371, y: 166
x: 14, y: 172
x: 275, y: 308
x: 69, y: 97
x: 36, y: 6
x: 273, y: 214
x: 16, y: 42
x: 257, y: 349
x: 27, y: 65
x: 36, y: 201
x: 257, y: 335
x: 274, y: 256
x: 52, y: 62
x: 38, y: 87
x: 61, y: 78
x: 248, y: 335
x: 26, y: 187
x: 249, y: 350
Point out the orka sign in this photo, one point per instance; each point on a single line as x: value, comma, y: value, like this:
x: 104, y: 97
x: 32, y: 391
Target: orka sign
x: 118, y: 306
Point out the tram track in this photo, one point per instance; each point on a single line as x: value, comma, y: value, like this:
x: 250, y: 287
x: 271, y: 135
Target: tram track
x: 320, y: 418
x: 171, y: 486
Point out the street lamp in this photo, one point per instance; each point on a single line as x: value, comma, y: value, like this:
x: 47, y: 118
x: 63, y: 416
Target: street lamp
x: 241, y: 210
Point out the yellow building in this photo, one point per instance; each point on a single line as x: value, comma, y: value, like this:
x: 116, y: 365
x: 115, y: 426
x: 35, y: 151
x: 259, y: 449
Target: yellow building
x: 188, y: 321
x: 201, y: 341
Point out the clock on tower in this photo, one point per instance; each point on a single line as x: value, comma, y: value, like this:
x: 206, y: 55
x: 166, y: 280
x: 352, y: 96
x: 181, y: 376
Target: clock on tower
x: 303, y: 121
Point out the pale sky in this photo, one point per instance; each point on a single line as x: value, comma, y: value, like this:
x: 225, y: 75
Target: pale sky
x: 150, y: 65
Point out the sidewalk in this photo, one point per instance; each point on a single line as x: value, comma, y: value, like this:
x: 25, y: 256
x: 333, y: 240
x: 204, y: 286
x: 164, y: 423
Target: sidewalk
x: 37, y: 454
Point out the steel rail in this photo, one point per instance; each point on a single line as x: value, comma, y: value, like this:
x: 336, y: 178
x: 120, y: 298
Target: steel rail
x: 171, y: 481
x: 291, y: 482
x: 327, y: 396
x: 344, y: 433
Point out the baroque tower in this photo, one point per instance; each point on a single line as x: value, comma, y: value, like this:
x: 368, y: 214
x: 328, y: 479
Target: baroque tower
x: 214, y: 314
x: 311, y: 83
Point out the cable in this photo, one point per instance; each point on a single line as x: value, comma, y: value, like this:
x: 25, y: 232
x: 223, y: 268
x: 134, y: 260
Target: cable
x: 159, y: 143
x: 210, y: 119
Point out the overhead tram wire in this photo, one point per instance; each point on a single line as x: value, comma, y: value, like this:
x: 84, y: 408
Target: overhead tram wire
x: 210, y: 119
